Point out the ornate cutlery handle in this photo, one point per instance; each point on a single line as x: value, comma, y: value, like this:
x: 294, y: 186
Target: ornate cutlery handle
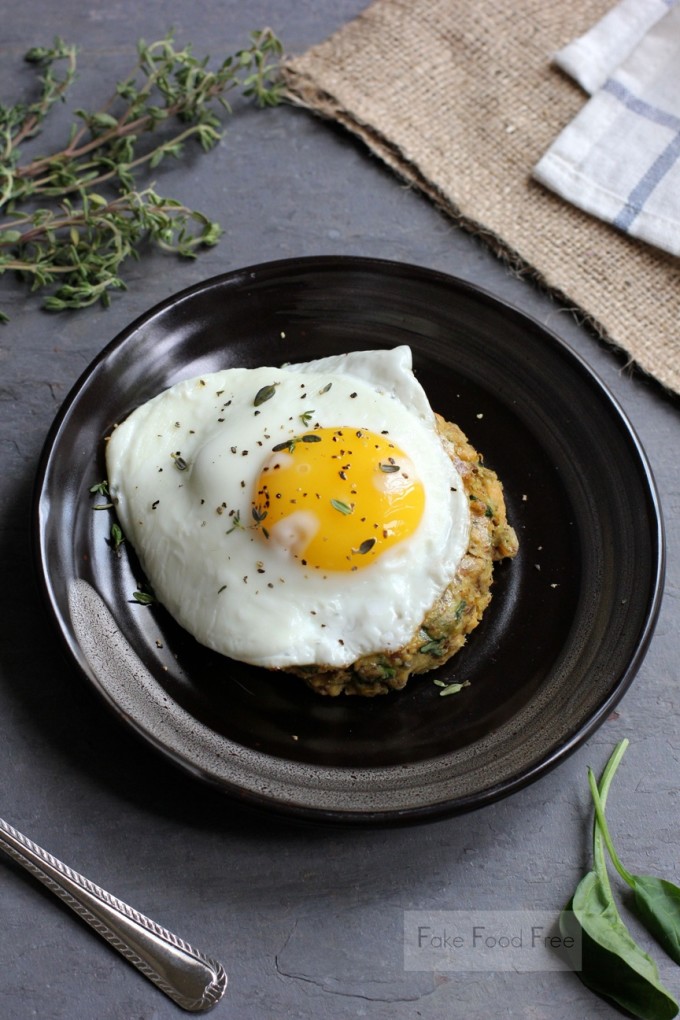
x: 189, y: 978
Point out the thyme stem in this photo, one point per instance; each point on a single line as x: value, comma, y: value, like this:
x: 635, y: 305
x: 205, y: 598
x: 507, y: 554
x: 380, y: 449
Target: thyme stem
x: 170, y: 98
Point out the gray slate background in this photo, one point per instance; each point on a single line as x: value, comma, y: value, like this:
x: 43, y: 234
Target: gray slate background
x: 308, y: 921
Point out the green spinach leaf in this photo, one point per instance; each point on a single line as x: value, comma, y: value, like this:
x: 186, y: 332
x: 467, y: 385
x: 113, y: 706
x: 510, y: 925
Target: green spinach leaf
x: 656, y: 901
x: 612, y: 963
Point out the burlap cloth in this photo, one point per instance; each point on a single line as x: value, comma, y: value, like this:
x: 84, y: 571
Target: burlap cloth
x: 460, y: 98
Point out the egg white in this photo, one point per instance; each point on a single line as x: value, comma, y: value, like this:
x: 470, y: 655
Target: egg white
x: 181, y: 471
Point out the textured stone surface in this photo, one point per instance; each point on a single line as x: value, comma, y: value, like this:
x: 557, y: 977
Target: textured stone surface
x: 308, y: 921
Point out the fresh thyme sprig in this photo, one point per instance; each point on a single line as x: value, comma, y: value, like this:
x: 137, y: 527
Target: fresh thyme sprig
x: 87, y: 213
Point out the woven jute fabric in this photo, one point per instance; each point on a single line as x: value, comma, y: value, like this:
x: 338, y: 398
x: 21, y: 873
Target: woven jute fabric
x: 461, y: 99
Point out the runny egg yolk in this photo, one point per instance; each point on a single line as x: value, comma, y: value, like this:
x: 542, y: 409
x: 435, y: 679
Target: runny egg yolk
x: 338, y: 498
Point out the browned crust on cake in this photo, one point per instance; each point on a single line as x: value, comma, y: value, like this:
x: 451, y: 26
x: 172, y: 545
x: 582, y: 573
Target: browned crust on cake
x: 458, y: 609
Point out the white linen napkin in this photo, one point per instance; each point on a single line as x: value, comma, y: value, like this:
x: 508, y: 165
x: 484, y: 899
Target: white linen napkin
x: 619, y: 159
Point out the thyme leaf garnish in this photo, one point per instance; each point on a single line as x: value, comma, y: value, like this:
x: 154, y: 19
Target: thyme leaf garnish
x: 450, y: 688
x: 117, y: 537
x: 389, y: 469
x: 306, y: 417
x: 101, y: 489
x: 236, y: 523
x: 343, y: 508
x: 88, y: 215
x: 290, y: 444
x: 365, y: 547
x: 264, y: 394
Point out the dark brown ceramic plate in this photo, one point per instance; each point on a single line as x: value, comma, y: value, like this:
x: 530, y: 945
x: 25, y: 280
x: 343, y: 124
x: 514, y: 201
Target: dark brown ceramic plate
x: 570, y: 619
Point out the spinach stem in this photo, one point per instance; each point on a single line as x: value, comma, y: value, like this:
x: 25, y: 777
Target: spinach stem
x: 601, y: 822
x: 598, y: 831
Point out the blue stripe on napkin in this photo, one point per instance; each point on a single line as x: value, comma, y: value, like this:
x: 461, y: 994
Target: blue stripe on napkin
x: 661, y: 165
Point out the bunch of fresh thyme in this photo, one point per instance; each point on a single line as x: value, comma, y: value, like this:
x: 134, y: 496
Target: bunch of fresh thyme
x: 83, y: 212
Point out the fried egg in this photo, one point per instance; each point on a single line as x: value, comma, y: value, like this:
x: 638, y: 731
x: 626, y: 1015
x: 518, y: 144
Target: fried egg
x: 306, y: 514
